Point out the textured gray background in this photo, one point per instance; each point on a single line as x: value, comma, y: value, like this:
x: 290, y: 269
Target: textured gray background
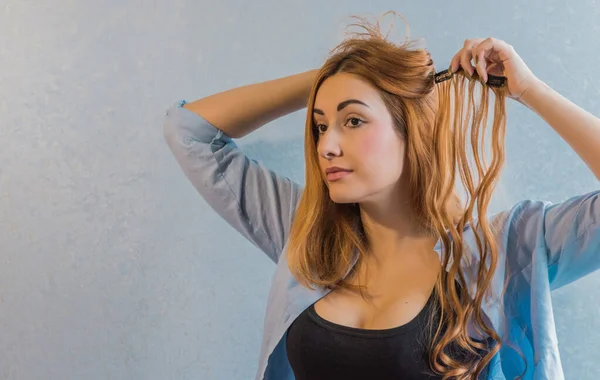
x: 112, y: 267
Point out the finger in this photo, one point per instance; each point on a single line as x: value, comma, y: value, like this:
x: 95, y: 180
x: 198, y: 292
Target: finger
x: 455, y: 62
x: 480, y: 64
x: 495, y: 50
x: 487, y: 50
x: 465, y: 60
x: 494, y: 68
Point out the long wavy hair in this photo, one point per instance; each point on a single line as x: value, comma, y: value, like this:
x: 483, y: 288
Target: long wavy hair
x: 435, y: 119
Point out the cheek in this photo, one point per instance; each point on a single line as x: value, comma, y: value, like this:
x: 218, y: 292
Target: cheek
x: 367, y: 146
x: 379, y: 151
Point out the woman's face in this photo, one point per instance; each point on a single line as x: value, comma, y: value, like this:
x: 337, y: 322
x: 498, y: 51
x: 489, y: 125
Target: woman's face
x: 356, y: 133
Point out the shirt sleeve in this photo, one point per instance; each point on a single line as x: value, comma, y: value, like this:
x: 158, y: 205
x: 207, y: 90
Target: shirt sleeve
x: 569, y: 233
x: 254, y: 200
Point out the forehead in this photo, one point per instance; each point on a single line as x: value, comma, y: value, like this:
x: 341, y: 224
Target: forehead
x: 343, y: 86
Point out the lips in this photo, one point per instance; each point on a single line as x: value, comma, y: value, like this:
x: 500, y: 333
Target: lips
x: 335, y: 174
x: 336, y: 169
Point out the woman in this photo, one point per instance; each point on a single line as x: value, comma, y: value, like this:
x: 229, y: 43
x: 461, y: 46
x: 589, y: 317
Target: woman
x: 382, y: 271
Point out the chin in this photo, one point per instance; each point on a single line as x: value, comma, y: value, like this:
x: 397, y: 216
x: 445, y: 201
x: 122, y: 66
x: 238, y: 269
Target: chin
x: 341, y: 196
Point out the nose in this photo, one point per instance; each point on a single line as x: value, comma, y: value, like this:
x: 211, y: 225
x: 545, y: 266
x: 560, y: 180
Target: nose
x: 328, y: 145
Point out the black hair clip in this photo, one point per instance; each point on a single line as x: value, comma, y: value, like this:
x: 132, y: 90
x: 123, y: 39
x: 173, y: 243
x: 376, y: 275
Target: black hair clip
x: 493, y: 80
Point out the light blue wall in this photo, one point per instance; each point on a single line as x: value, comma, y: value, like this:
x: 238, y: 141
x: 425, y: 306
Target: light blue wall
x: 112, y: 267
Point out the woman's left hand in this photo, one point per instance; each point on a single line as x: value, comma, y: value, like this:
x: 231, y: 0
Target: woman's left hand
x: 495, y: 57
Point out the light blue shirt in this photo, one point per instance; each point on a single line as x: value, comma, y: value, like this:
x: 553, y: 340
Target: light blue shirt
x: 542, y: 246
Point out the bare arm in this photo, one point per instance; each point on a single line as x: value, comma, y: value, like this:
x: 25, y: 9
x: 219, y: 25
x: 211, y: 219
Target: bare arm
x: 578, y: 127
x: 242, y: 110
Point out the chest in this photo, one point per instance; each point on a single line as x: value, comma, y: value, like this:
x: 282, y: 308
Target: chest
x: 391, y: 298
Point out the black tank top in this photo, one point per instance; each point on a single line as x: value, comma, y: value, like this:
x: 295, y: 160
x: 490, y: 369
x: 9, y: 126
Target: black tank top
x: 318, y: 349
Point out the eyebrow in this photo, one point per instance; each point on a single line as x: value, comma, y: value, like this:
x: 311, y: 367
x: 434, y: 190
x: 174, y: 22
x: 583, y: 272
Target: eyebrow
x: 342, y: 105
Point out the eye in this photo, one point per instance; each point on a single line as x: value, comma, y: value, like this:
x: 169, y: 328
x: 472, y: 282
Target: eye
x: 355, y: 119
x: 355, y: 122
x: 318, y: 130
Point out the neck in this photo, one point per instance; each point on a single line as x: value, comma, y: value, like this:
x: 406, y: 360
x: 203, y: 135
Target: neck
x: 392, y: 232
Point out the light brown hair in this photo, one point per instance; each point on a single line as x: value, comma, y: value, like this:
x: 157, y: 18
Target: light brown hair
x: 436, y: 120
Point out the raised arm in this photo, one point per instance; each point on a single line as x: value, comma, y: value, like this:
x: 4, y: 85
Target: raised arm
x: 254, y: 200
